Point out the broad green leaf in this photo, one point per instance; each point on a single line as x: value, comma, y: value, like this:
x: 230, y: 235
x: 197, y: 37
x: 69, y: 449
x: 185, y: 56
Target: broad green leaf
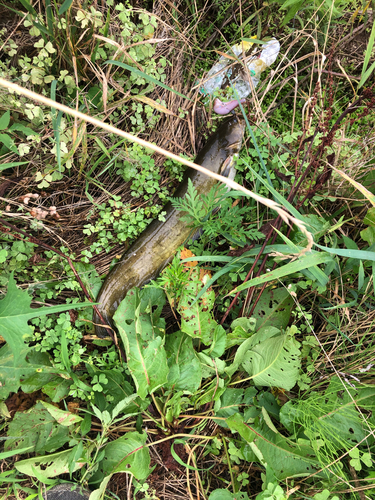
x: 143, y: 334
x: 308, y: 260
x: 4, y: 166
x: 62, y: 417
x: 286, y: 459
x: 273, y: 308
x: 221, y: 494
x: 369, y: 218
x: 8, y: 142
x: 4, y: 120
x: 65, y: 6
x: 218, y: 343
x: 33, y: 375
x: 98, y: 494
x: 127, y: 454
x: 230, y: 403
x: 57, y: 388
x: 47, y: 465
x: 241, y: 330
x: 15, y: 312
x: 197, y: 319
x: 185, y: 372
x: 36, y: 428
x: 239, y: 357
x: 22, y: 128
x: 273, y: 362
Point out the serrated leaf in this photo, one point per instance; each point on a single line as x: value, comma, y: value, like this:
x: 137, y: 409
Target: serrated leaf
x: 142, y: 332
x: 12, y: 371
x: 15, y: 312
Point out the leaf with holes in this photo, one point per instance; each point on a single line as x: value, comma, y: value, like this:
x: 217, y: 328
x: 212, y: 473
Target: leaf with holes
x: 196, y: 315
x: 273, y: 308
x: 36, y: 428
x: 285, y: 458
x: 126, y: 454
x: 273, y: 361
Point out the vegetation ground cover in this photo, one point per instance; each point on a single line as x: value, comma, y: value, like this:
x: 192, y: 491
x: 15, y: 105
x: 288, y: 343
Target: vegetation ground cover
x: 246, y: 369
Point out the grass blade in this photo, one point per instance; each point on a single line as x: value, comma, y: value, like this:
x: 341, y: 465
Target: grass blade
x: 365, y: 74
x: 65, y: 6
x: 4, y: 166
x: 146, y: 77
x: 304, y: 262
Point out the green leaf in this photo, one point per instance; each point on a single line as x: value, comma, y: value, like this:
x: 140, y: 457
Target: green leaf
x: 48, y: 465
x: 34, y: 375
x: 221, y: 494
x: 62, y: 417
x: 142, y: 332
x: 37, y: 429
x: 4, y: 166
x: 146, y: 77
x: 15, y: 312
x: 98, y: 494
x: 351, y: 254
x: 273, y: 308
x: 367, y: 72
x: 273, y: 361
x: 308, y: 260
x: 8, y: 143
x: 185, y: 372
x: 127, y: 454
x: 242, y: 329
x: 4, y: 120
x: 197, y: 319
x: 21, y: 128
x: 286, y: 459
x: 11, y: 453
x: 28, y: 7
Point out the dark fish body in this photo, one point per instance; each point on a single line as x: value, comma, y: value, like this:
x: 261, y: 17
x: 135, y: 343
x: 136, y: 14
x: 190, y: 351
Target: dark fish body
x: 155, y: 247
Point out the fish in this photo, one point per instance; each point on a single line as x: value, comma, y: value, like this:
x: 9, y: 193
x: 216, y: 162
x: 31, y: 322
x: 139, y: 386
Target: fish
x: 155, y: 247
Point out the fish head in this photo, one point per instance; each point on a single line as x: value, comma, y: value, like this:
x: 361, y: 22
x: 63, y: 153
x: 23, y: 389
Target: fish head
x: 235, y: 129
